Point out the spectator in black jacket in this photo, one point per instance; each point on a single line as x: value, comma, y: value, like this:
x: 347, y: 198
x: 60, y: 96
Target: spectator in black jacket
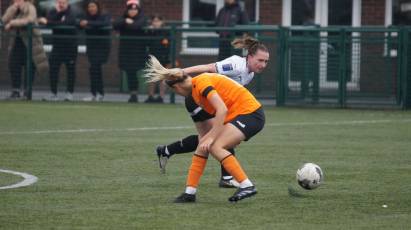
x: 98, y: 44
x: 228, y: 16
x: 160, y: 48
x: 64, y: 50
x: 132, y: 50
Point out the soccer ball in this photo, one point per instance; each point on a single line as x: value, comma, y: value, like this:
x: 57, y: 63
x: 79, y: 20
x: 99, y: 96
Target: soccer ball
x: 310, y: 176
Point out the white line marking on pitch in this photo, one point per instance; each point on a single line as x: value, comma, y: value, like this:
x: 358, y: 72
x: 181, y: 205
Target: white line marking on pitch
x: 336, y: 123
x: 28, y: 179
x: 355, y: 122
x: 95, y: 130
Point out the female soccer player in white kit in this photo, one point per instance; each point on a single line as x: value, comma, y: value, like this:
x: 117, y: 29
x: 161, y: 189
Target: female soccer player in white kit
x: 241, y: 70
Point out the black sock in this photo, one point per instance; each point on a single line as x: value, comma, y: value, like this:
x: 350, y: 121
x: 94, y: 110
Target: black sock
x: 224, y: 173
x: 186, y: 145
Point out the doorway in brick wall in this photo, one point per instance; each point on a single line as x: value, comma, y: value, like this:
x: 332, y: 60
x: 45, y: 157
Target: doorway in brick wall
x: 324, y: 13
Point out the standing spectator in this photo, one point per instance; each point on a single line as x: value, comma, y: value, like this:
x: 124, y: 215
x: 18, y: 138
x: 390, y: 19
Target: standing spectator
x: 98, y: 44
x: 16, y: 18
x: 132, y: 51
x: 64, y: 43
x: 160, y: 48
x: 228, y: 16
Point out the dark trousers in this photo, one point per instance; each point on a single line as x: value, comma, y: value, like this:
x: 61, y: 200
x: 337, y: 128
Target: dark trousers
x: 132, y: 80
x: 96, y: 78
x: 18, y: 60
x: 224, y: 48
x: 56, y: 60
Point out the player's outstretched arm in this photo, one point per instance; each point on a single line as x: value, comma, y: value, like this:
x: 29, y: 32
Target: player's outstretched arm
x: 197, y: 69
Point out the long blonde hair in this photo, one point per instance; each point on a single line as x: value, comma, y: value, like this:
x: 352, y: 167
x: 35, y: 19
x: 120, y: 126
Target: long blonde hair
x: 155, y: 72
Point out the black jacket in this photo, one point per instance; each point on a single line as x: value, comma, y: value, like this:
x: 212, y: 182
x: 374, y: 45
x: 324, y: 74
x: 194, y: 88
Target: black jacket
x: 229, y: 16
x: 64, y: 40
x: 160, y: 45
x: 98, y: 37
x: 133, y: 43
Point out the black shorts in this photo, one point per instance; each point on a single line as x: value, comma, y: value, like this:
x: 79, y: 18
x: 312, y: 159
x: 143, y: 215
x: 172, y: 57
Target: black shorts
x: 196, y: 112
x: 250, y: 124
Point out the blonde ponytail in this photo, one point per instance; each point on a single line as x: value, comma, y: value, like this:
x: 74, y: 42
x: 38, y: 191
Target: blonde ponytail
x: 155, y: 72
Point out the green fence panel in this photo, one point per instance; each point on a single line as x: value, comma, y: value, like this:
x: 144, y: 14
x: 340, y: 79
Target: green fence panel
x: 200, y: 45
x: 406, y: 67
x: 343, y: 66
x: 337, y: 66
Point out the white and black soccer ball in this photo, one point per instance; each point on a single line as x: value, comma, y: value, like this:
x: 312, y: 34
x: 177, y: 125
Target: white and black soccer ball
x: 310, y: 176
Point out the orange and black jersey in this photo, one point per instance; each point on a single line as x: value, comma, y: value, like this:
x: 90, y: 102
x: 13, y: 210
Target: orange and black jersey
x: 237, y: 99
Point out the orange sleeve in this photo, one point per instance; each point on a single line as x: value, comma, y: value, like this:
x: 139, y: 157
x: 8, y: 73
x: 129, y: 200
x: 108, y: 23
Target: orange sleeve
x: 205, y: 88
x: 211, y: 93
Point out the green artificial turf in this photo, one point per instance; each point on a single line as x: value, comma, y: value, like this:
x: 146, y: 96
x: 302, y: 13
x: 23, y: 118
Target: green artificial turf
x: 97, y: 169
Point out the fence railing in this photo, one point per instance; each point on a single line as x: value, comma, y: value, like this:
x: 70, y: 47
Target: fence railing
x: 343, y: 65
x: 338, y: 66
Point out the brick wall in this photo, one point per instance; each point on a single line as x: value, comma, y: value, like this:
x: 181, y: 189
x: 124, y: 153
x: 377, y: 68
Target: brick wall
x: 374, y: 64
x: 170, y: 9
x: 373, y: 12
x: 270, y: 12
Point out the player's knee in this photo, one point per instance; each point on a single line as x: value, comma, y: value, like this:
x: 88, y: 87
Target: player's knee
x: 215, y: 148
x: 200, y: 152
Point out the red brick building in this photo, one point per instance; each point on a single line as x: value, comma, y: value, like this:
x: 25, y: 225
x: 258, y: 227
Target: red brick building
x: 270, y: 12
x: 276, y: 12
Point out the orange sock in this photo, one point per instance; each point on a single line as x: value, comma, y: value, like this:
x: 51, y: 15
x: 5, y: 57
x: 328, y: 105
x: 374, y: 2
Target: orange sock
x: 198, y: 164
x: 233, y: 167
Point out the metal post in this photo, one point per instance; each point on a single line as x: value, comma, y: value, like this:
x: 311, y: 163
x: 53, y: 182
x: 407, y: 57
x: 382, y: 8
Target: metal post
x: 281, y: 72
x: 279, y: 68
x: 29, y: 58
x: 342, y: 78
x: 173, y: 56
x: 258, y: 84
x: 305, y: 65
x: 316, y: 72
x: 404, y: 75
x: 390, y: 44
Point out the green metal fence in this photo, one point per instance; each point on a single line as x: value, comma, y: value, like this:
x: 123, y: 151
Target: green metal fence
x: 342, y: 66
x: 337, y: 66
x: 405, y: 67
x: 199, y: 45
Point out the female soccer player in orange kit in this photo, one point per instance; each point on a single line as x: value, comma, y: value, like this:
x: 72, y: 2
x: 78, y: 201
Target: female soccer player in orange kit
x: 238, y: 116
x: 241, y: 70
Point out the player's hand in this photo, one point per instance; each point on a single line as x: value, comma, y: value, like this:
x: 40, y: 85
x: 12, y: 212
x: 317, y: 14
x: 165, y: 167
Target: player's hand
x: 43, y: 20
x: 164, y: 42
x: 129, y: 21
x: 206, y: 144
x: 83, y: 23
x: 7, y: 27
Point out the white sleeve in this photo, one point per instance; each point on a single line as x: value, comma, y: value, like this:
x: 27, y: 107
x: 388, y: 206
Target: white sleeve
x: 230, y: 67
x: 248, y: 79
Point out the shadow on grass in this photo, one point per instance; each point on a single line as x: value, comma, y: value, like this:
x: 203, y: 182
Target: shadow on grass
x: 295, y: 192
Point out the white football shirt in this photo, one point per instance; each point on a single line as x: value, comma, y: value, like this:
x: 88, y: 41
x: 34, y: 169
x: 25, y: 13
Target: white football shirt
x: 235, y: 67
